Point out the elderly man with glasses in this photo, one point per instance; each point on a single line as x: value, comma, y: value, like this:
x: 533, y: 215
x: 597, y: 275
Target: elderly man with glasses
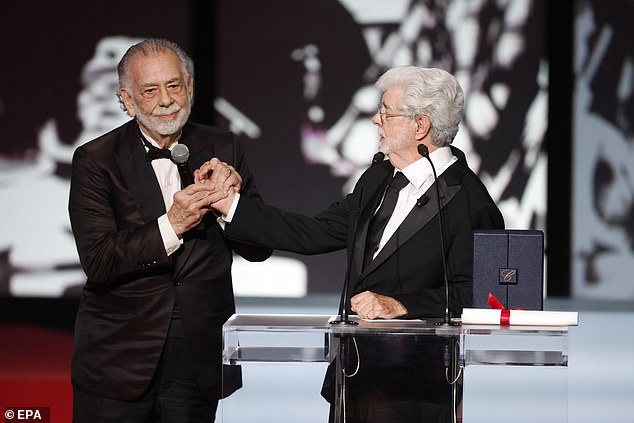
x: 395, y: 266
x: 389, y: 224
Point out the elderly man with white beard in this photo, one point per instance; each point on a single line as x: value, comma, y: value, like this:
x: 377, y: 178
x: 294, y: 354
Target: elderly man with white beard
x: 148, y: 335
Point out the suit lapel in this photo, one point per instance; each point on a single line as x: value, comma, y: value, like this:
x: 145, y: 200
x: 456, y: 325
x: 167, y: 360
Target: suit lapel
x: 414, y: 222
x: 199, y: 151
x: 139, y: 175
x: 367, y: 209
x: 144, y: 187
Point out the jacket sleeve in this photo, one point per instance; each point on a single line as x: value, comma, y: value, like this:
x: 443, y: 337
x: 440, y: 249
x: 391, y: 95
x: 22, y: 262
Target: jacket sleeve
x: 108, y: 252
x: 249, y: 251
x: 261, y: 224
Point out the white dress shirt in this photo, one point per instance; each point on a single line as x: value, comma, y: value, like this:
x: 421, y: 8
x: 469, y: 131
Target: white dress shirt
x: 170, y: 182
x: 421, y: 177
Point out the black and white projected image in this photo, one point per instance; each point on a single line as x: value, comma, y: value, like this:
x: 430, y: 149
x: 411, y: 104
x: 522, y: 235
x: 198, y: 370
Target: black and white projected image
x: 38, y: 257
x: 59, y: 92
x: 295, y: 81
x: 320, y: 63
x: 603, y: 148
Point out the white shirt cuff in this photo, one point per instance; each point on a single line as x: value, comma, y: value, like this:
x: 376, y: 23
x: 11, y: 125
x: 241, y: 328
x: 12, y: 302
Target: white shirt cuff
x: 171, y: 241
x: 232, y: 210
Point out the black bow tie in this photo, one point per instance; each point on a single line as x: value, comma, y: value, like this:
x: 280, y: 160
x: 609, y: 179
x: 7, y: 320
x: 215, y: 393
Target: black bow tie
x: 157, y: 153
x: 154, y: 152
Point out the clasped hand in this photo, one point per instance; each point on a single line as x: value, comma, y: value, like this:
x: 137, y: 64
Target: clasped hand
x: 215, y: 183
x: 370, y: 305
x: 224, y: 179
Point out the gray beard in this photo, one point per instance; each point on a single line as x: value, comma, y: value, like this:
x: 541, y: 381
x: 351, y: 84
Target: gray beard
x: 165, y: 128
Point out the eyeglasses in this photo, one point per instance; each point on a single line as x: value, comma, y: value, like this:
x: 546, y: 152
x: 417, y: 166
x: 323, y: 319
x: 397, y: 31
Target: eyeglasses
x: 384, y: 115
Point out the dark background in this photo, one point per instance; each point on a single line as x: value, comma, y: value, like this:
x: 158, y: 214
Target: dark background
x: 46, y: 47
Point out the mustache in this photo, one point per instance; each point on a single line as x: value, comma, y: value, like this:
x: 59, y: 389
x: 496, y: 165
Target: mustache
x: 160, y: 111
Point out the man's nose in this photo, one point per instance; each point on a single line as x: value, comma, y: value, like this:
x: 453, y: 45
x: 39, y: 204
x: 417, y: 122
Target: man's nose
x: 376, y: 119
x: 165, y: 99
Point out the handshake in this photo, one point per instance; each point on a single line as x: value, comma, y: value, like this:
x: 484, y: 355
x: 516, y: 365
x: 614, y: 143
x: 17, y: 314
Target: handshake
x: 215, y: 186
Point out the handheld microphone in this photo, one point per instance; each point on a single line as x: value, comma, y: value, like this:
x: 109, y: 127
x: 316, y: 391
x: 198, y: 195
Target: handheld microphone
x: 424, y: 151
x: 180, y: 156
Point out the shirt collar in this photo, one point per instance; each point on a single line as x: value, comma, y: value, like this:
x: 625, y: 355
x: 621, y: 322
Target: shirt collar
x: 419, y: 171
x: 154, y: 143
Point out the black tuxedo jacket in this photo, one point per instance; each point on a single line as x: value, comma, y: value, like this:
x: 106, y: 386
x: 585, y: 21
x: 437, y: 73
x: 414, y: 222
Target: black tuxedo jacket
x: 409, y: 267
x: 126, y: 305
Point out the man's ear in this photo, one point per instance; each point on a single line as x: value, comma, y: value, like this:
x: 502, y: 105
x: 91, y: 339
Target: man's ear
x: 190, y: 87
x: 423, y: 126
x: 127, y: 102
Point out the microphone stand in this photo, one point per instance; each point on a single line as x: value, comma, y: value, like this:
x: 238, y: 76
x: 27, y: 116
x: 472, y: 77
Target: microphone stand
x: 343, y: 302
x: 424, y: 151
x: 341, y: 390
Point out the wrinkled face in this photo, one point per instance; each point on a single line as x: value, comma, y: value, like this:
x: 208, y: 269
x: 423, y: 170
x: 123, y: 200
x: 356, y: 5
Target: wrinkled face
x: 157, y: 94
x: 396, y: 130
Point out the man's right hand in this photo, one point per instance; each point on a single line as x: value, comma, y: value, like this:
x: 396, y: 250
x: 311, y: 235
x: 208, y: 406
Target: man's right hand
x: 191, y: 204
x: 220, y: 174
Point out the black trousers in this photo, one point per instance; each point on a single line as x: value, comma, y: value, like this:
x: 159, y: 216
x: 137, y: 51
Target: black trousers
x: 172, y: 397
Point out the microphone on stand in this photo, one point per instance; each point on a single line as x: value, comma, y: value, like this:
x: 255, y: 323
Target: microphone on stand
x: 343, y: 302
x: 180, y: 156
x: 422, y: 200
x: 424, y: 151
x: 378, y: 158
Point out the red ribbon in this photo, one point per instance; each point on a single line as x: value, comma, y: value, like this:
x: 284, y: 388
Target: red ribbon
x: 505, y: 317
x: 494, y: 302
x: 505, y: 314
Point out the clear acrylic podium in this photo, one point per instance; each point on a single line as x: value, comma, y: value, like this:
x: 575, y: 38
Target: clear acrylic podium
x: 302, y: 367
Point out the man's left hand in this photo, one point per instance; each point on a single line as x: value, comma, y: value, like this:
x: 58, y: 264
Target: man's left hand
x: 369, y: 305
